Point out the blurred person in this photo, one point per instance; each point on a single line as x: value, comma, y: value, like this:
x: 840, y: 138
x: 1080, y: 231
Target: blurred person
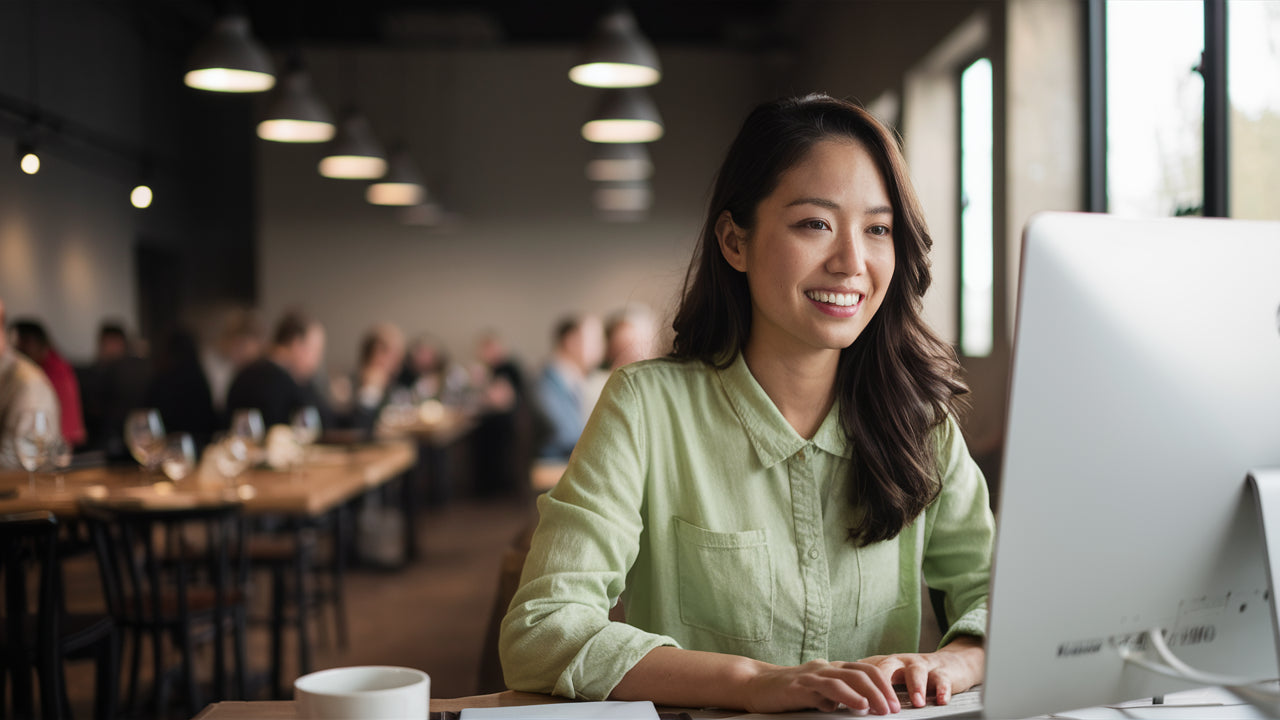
x: 628, y: 338
x: 382, y: 354
x: 32, y: 340
x: 579, y: 347
x: 23, y: 388
x: 115, y: 383
x: 236, y: 343
x: 180, y: 390
x: 281, y: 381
x: 424, y: 368
x: 499, y: 448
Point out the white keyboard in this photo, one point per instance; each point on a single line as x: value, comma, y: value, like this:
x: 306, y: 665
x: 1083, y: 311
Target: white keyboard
x: 965, y: 703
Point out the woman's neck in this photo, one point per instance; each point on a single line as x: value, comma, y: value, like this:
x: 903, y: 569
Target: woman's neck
x: 801, y: 385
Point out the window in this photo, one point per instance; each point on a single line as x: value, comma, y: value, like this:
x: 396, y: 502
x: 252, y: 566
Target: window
x: 1155, y: 107
x: 977, y: 255
x: 1253, y: 89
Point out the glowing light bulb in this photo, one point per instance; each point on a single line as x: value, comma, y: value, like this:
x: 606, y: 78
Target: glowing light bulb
x: 141, y: 197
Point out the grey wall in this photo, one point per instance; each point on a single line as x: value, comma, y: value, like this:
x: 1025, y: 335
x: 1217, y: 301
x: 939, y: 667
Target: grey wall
x: 497, y: 132
x: 106, y: 77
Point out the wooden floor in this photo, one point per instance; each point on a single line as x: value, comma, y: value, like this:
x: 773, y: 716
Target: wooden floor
x: 431, y: 615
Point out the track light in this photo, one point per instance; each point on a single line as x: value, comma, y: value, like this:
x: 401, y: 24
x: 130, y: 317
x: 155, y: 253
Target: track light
x: 28, y: 160
x: 230, y: 60
x: 617, y: 55
x: 141, y: 196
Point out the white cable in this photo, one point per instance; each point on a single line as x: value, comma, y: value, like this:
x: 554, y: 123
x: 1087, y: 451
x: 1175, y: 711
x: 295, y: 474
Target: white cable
x: 1177, y: 669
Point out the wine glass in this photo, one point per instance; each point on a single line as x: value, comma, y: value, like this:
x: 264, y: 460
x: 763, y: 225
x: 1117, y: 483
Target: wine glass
x: 246, y: 424
x: 60, y: 459
x: 230, y: 456
x: 306, y: 425
x: 35, y: 433
x: 178, y: 458
x: 144, y: 434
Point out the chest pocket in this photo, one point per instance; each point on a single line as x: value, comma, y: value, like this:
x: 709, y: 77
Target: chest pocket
x: 726, y: 581
x: 882, y: 586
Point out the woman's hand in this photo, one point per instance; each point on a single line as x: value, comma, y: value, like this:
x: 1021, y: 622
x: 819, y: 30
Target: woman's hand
x: 954, y: 668
x: 824, y: 685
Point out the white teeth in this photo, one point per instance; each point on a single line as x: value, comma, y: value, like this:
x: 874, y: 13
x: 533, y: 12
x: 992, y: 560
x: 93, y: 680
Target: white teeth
x: 841, y: 299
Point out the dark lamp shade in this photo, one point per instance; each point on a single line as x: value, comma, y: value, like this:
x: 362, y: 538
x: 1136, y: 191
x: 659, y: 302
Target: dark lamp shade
x: 294, y: 113
x: 354, y: 154
x: 617, y: 55
x: 619, y: 161
x: 624, y: 115
x: 230, y: 60
x: 402, y: 185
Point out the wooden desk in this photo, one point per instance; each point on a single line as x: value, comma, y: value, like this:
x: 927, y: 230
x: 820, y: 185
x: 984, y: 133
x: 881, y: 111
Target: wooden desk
x: 332, y: 477
x: 284, y: 710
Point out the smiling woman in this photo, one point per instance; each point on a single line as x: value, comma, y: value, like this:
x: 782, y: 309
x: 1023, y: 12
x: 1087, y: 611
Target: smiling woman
x: 767, y: 498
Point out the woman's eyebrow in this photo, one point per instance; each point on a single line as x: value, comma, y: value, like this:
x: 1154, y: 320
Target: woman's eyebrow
x: 879, y: 210
x: 820, y: 202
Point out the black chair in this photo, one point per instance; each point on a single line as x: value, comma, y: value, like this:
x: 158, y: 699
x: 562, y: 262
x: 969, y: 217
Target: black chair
x: 180, y: 574
x: 42, y: 639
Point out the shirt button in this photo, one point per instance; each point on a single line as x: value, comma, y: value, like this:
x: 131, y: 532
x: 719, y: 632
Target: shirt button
x: 801, y: 455
x: 813, y: 553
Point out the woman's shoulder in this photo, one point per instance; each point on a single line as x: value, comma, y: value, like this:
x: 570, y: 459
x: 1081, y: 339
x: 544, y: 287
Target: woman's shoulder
x: 665, y: 370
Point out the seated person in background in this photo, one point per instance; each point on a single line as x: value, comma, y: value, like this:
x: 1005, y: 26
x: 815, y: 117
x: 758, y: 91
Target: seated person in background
x: 628, y: 338
x: 32, y: 340
x: 424, y: 368
x: 579, y: 346
x: 115, y: 383
x: 180, y: 391
x: 500, y: 455
x: 766, y: 499
x: 236, y: 342
x: 381, y: 356
x: 23, y: 388
x: 280, y: 383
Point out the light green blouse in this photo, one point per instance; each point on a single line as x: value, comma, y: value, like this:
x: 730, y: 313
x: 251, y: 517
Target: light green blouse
x: 692, y: 498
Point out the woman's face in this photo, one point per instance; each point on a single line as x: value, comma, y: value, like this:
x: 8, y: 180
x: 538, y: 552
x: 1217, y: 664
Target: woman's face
x: 820, y: 257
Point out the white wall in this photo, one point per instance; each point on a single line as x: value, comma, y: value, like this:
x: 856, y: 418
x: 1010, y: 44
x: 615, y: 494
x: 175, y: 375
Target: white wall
x: 497, y: 133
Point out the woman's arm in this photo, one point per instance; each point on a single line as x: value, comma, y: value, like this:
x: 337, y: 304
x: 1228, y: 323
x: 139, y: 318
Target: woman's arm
x: 688, y: 678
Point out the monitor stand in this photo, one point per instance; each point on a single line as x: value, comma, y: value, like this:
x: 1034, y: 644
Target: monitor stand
x: 1264, y: 485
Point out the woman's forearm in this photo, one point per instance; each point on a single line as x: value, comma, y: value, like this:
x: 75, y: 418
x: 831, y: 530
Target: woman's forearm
x: 688, y: 678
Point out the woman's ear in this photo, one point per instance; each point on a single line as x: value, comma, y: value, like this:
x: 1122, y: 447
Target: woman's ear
x: 732, y: 240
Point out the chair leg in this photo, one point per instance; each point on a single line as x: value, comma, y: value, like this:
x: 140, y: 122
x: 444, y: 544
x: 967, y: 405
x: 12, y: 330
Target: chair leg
x: 300, y: 611
x: 241, y: 656
x: 277, y: 631
x: 51, y: 691
x: 107, y: 684
x: 189, y: 672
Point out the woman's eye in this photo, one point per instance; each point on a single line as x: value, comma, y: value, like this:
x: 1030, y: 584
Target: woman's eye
x: 880, y: 230
x: 816, y: 225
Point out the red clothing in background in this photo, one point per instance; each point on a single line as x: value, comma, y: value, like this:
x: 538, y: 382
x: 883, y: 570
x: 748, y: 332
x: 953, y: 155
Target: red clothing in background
x: 63, y: 378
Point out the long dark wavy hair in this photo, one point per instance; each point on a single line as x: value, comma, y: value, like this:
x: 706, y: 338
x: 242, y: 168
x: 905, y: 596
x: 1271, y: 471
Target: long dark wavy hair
x: 898, y: 381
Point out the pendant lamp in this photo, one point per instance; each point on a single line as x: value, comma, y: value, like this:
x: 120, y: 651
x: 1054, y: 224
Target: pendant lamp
x: 630, y: 197
x: 294, y: 113
x: 230, y: 60
x: 28, y: 158
x: 619, y: 161
x: 617, y: 55
x: 402, y: 185
x: 624, y: 115
x: 354, y: 153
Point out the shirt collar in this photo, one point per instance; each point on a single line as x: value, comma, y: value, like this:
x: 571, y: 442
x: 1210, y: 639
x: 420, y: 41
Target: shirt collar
x: 771, y: 435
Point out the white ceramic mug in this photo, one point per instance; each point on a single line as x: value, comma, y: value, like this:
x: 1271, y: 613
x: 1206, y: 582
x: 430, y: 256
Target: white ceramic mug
x: 374, y: 692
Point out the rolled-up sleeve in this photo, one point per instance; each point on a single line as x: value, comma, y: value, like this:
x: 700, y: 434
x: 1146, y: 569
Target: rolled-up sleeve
x: 557, y: 636
x: 961, y: 533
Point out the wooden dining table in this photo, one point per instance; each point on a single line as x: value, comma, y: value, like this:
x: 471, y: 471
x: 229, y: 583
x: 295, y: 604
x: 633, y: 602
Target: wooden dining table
x: 287, y: 709
x: 329, y: 477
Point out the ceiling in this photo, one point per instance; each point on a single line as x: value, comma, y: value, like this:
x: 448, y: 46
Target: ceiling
x: 747, y: 24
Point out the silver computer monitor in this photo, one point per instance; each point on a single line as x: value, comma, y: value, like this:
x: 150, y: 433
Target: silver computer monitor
x: 1145, y: 385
